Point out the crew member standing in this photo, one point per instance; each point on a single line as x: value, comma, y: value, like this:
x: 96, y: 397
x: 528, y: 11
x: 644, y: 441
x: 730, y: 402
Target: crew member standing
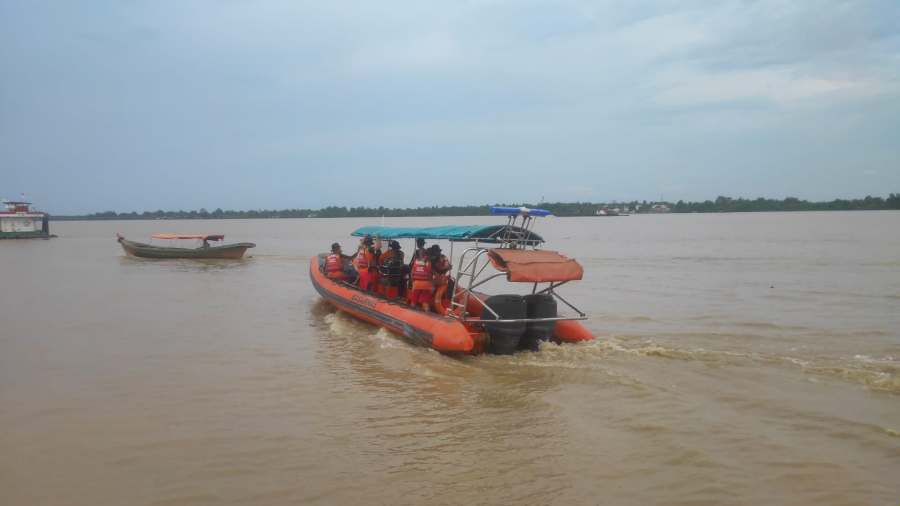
x: 419, y: 252
x: 422, y: 279
x: 440, y: 267
x: 374, y: 271
x: 391, y: 265
x: 365, y: 263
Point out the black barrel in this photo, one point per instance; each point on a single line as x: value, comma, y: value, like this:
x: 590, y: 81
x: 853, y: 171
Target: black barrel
x: 505, y: 336
x: 539, y: 305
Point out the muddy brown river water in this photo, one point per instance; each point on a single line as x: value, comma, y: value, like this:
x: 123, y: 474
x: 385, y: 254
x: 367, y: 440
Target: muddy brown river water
x: 741, y: 359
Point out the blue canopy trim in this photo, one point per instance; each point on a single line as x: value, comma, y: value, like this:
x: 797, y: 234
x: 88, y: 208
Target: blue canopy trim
x: 472, y: 233
x: 519, y: 211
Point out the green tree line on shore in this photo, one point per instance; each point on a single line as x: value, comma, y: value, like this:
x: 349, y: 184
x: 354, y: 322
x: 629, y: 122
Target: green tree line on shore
x: 720, y: 205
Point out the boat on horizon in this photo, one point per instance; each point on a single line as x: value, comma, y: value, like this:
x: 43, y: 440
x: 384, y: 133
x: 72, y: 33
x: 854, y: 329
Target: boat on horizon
x: 225, y: 251
x: 474, y: 322
x: 615, y: 211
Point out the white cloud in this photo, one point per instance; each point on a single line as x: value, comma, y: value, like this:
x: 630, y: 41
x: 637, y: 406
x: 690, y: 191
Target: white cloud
x: 781, y: 86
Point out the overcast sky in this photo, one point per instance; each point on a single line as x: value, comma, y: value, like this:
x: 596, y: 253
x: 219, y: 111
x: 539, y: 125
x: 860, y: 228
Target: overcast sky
x: 140, y: 105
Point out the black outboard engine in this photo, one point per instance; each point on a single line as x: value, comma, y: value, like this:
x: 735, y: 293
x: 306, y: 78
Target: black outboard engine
x: 539, y: 305
x: 504, y: 336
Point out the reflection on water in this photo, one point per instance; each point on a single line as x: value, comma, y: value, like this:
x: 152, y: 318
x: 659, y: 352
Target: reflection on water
x: 185, y: 264
x: 742, y: 359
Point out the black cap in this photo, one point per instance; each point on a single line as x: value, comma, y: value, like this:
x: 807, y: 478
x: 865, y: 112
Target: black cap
x: 335, y: 247
x: 393, y: 244
x: 435, y: 249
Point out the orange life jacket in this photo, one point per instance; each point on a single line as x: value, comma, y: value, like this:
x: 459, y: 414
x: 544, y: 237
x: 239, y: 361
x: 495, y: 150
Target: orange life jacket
x: 364, y: 258
x: 421, y: 270
x: 333, y: 263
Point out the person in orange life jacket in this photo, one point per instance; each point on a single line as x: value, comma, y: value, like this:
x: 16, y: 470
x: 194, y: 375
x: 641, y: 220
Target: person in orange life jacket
x: 365, y: 263
x: 334, y: 263
x: 440, y: 267
x: 418, y: 253
x: 422, y: 278
x: 390, y: 266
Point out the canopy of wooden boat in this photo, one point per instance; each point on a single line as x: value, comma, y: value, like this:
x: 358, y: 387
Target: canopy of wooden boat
x: 207, y: 237
x: 458, y: 233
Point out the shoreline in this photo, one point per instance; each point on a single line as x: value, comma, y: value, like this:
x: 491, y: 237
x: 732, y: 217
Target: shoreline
x: 211, y: 218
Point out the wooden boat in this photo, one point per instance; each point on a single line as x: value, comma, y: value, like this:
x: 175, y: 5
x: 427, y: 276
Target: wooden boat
x: 229, y: 251
x: 475, y: 322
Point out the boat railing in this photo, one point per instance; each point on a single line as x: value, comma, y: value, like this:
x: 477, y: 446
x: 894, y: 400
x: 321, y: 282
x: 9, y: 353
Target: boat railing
x: 468, y: 277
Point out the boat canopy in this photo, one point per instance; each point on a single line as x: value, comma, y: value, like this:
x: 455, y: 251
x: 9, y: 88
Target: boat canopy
x: 535, y: 266
x: 202, y: 237
x: 457, y: 233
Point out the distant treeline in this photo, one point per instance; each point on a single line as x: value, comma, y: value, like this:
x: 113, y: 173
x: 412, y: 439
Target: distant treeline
x: 720, y: 205
x: 729, y: 205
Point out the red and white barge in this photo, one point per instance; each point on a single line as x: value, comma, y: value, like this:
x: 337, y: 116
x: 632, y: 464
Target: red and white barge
x: 18, y: 221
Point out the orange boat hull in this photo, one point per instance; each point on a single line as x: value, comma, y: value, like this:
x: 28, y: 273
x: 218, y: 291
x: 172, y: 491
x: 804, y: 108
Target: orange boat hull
x: 442, y: 333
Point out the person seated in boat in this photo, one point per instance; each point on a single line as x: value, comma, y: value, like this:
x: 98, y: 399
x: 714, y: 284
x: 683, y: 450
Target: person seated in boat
x: 335, y: 262
x: 440, y: 267
x: 365, y: 263
x: 422, y: 280
x: 390, y: 266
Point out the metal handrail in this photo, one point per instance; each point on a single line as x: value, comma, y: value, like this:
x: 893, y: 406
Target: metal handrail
x: 461, y: 272
x: 471, y: 270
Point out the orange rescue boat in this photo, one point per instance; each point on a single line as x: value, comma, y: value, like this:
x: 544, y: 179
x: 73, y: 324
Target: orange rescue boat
x: 474, y: 322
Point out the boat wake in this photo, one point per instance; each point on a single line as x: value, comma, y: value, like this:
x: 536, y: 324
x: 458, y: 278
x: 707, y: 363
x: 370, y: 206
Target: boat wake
x: 875, y: 373
x: 879, y: 374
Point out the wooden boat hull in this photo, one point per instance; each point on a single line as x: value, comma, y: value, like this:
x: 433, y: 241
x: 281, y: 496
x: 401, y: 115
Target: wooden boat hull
x: 441, y: 333
x: 227, y: 251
